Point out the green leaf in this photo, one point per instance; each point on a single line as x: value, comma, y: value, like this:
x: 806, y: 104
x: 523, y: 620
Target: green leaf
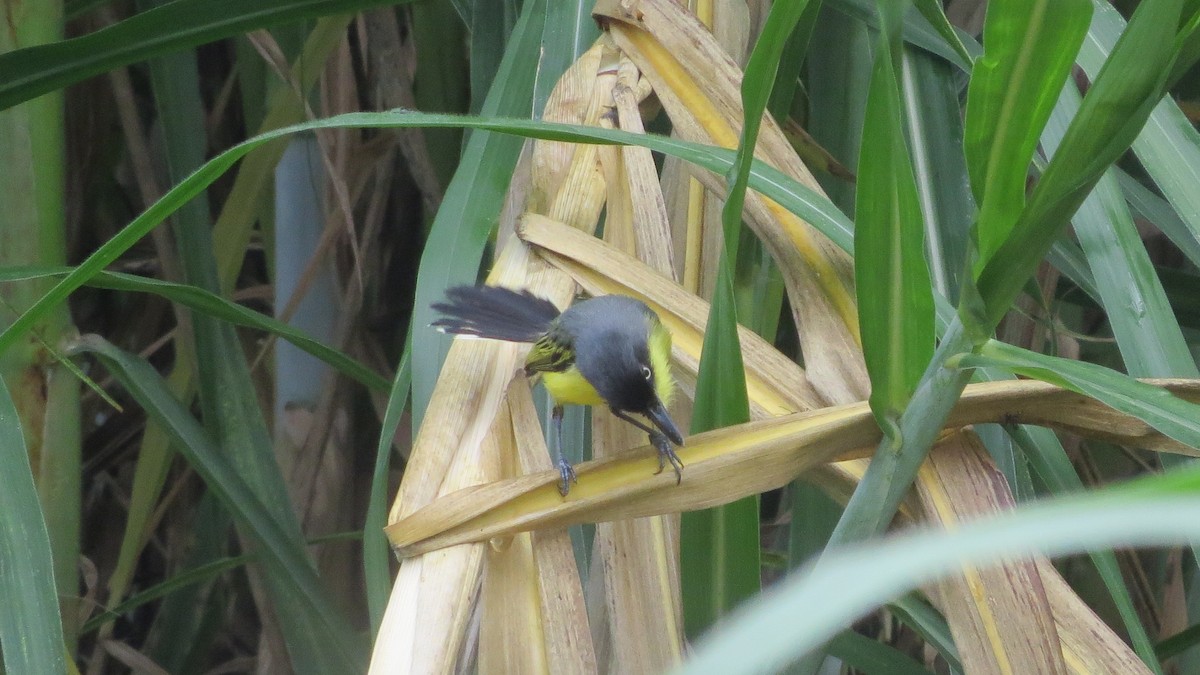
x: 217, y: 307
x: 1159, y: 212
x: 720, y: 562
x: 31, y: 632
x: 465, y: 221
x: 871, y: 656
x: 931, y: 626
x: 933, y: 13
x: 798, y: 199
x: 935, y: 129
x: 229, y: 402
x: 190, y: 577
x: 719, y: 547
x: 1178, y: 643
x: 1068, y: 258
x: 287, y: 561
x: 1116, y: 107
x: 791, y: 62
x: 196, y: 575
x: 809, y: 608
x: 1147, y: 332
x: 1168, y: 147
x: 27, y: 73
x: 1029, y: 47
x: 1167, y: 413
x: 918, y: 32
x: 377, y: 553
x: 895, y: 298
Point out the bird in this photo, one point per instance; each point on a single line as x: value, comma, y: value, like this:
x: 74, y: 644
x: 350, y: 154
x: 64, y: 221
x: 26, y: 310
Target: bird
x: 610, y: 350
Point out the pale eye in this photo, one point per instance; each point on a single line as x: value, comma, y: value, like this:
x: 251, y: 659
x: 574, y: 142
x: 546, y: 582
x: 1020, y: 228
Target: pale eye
x: 647, y: 373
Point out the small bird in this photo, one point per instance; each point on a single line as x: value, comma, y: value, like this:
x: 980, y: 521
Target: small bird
x: 610, y: 349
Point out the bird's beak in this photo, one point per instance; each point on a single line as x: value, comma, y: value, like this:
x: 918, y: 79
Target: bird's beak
x: 658, y: 414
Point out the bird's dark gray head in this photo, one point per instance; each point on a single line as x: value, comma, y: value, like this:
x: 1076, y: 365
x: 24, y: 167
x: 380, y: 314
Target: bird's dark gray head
x: 611, y: 346
x: 617, y: 363
x: 610, y: 342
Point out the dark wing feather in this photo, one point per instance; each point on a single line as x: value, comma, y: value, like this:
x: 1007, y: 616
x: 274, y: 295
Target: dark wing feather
x: 495, y: 313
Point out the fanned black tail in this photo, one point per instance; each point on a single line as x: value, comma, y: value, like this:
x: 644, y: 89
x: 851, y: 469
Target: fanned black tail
x: 495, y: 313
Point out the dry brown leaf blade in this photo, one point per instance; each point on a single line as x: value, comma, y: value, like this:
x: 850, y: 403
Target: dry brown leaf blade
x: 722, y: 465
x: 640, y: 559
x: 977, y: 601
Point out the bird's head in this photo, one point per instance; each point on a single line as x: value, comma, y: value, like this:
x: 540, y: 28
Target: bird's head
x: 631, y: 371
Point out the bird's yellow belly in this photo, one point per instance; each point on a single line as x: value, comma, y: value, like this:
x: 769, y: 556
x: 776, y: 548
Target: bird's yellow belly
x: 570, y: 387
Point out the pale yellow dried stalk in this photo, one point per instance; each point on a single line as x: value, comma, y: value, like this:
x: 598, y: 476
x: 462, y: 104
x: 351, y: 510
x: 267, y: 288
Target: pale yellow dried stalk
x: 639, y: 558
x: 533, y: 614
x: 460, y: 443
x: 726, y: 464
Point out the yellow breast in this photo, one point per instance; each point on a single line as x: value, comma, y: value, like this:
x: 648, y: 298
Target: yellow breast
x: 570, y: 387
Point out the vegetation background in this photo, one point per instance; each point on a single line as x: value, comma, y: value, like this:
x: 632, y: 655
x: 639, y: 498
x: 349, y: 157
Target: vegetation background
x: 216, y: 363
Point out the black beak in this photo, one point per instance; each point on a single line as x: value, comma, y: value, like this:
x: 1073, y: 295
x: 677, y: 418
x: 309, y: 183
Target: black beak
x: 658, y: 414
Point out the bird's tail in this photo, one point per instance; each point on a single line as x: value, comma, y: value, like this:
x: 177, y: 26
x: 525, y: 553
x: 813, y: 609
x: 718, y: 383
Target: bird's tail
x: 495, y: 313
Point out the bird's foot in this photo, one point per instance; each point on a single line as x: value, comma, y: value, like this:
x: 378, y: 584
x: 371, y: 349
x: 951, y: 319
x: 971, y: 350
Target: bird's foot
x: 566, y: 474
x: 666, y: 453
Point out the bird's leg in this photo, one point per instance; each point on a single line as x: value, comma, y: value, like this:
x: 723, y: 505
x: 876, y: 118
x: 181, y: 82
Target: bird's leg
x: 565, y: 471
x: 666, y: 450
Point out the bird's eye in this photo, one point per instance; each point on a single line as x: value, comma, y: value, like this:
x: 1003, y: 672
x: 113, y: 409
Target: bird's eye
x: 647, y: 373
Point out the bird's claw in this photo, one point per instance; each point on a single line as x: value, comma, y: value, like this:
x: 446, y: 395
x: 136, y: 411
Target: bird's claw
x: 666, y: 453
x: 566, y: 474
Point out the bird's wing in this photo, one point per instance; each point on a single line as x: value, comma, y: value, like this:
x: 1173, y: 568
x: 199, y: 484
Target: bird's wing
x: 553, y: 352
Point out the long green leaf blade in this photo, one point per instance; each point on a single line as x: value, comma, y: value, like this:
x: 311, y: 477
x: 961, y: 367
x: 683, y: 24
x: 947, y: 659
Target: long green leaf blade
x: 720, y: 564
x: 719, y: 548
x: 1169, y: 414
x: 1112, y: 114
x: 895, y: 298
x: 377, y: 554
x: 287, y: 560
x: 1151, y: 341
x: 801, y: 200
x: 27, y: 73
x: 808, y: 609
x: 473, y: 200
x: 217, y: 307
x: 31, y: 633
x: 1029, y: 47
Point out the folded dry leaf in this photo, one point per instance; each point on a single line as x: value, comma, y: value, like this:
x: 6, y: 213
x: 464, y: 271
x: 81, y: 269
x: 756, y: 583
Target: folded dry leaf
x: 727, y: 464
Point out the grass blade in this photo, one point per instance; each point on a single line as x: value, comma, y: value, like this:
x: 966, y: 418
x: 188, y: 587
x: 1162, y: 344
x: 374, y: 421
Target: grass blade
x: 872, y: 657
x: 1172, y: 416
x: 31, y: 631
x: 934, y: 125
x: 1030, y: 47
x: 808, y: 609
x: 472, y: 203
x: 804, y: 202
x: 720, y: 563
x: 1168, y: 147
x: 1116, y: 107
x: 377, y: 555
x: 217, y: 307
x: 287, y: 560
x: 27, y: 73
x: 895, y: 298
